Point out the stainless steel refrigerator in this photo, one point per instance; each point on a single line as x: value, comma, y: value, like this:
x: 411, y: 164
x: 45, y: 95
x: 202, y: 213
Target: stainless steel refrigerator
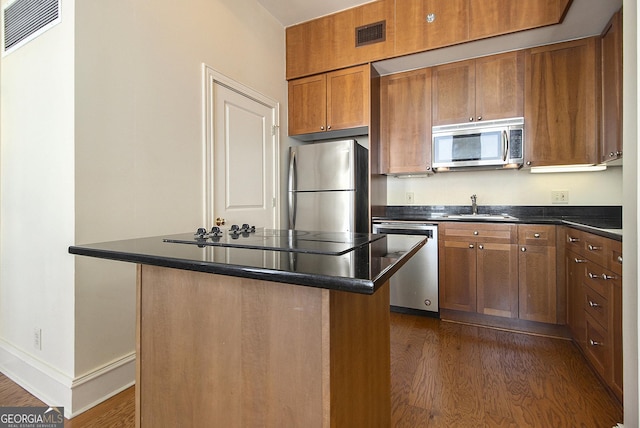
x: 328, y: 187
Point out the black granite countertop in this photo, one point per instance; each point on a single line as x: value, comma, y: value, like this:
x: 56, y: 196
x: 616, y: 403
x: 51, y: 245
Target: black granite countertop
x: 601, y: 220
x: 361, y: 270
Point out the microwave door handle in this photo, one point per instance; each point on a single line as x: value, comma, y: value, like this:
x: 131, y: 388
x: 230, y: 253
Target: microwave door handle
x: 505, y: 145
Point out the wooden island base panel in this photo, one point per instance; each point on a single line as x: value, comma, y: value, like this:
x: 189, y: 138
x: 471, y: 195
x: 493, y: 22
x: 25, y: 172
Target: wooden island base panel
x: 224, y: 351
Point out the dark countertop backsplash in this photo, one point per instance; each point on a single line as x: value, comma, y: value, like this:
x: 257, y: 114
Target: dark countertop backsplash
x: 605, y: 217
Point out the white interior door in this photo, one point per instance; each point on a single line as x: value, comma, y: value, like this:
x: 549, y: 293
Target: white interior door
x: 242, y: 156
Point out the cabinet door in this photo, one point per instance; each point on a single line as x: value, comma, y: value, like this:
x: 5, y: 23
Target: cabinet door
x: 307, y: 105
x: 348, y: 98
x: 500, y: 86
x: 612, y: 90
x: 454, y: 94
x: 493, y: 17
x: 457, y: 270
x: 497, y: 279
x: 561, y: 103
x: 427, y: 24
x: 537, y: 283
x: 574, y: 267
x: 616, y: 337
x: 405, y: 122
x: 309, y: 47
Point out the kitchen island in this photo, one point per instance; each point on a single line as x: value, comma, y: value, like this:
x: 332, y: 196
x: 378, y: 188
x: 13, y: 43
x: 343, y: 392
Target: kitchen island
x: 235, y: 337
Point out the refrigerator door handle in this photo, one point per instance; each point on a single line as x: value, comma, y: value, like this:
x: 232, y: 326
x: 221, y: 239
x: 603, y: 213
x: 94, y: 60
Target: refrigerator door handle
x: 292, y: 185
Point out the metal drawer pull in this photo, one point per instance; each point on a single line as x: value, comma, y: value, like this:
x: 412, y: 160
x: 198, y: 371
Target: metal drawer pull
x: 593, y: 248
x: 481, y: 247
x: 523, y: 249
x: 620, y: 259
x: 605, y: 276
x: 577, y: 260
x: 471, y: 246
x: 475, y: 232
x: 594, y: 343
x: 536, y: 235
x: 593, y: 275
x: 570, y: 239
x: 593, y: 304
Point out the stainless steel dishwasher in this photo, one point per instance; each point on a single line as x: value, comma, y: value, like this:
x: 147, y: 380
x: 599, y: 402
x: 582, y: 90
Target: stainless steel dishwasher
x: 415, y: 286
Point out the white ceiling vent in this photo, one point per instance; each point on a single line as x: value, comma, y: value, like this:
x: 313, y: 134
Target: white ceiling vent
x: 24, y: 20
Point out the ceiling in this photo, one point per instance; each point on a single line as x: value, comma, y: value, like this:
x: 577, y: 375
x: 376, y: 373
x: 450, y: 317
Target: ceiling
x: 584, y: 18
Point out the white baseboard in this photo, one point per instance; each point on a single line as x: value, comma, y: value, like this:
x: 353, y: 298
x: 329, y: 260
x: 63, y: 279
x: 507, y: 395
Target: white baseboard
x: 57, y: 389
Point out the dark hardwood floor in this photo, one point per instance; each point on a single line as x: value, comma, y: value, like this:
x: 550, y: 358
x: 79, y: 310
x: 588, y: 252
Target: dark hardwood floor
x: 446, y: 374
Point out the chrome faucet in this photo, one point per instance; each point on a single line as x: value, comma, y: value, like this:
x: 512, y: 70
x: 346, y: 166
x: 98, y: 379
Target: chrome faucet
x: 474, y: 205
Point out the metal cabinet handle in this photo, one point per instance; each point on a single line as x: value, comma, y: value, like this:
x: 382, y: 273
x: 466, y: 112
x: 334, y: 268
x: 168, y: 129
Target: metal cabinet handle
x: 328, y: 127
x: 481, y: 247
x: 606, y: 277
x: 593, y: 304
x: 593, y: 248
x: 322, y: 128
x: 577, y: 260
x: 475, y: 232
x: 523, y: 249
x: 593, y: 275
x: 536, y: 235
x: 594, y: 343
x: 471, y: 119
x: 570, y: 239
x: 471, y: 246
x: 620, y: 259
x: 479, y: 118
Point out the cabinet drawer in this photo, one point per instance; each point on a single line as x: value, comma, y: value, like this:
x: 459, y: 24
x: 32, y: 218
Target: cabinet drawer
x: 597, y: 306
x: 598, y: 278
x: 614, y: 257
x: 484, y: 232
x: 595, y: 248
x: 574, y: 240
x: 537, y: 235
x: 598, y: 347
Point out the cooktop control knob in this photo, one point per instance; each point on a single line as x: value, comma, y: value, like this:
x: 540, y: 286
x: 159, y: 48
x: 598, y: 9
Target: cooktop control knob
x: 248, y: 229
x: 201, y: 233
x: 215, y: 231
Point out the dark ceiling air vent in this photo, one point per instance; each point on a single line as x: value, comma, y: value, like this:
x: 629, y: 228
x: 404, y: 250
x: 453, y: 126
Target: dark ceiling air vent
x: 371, y: 33
x: 24, y: 20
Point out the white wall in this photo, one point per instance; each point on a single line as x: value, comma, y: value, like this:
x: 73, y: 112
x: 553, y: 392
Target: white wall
x: 630, y: 297
x: 37, y: 205
x: 508, y: 187
x: 102, y: 140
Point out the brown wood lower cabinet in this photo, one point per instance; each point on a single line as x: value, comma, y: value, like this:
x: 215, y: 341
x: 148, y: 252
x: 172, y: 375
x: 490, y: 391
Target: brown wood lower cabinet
x: 537, y: 273
x: 479, y: 268
x: 594, y: 283
x: 223, y: 351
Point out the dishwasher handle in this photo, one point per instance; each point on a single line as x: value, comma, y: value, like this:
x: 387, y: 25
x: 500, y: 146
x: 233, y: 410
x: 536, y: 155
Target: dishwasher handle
x: 403, y: 230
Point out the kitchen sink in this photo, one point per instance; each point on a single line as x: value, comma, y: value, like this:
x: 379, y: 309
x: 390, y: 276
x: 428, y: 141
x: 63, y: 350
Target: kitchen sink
x: 479, y: 217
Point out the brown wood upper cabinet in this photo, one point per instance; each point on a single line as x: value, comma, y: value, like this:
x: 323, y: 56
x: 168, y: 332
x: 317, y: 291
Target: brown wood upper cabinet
x: 428, y: 24
x: 333, y: 101
x: 330, y: 42
x: 611, y: 141
x: 486, y: 88
x: 405, y: 122
x: 562, y: 103
x: 411, y: 26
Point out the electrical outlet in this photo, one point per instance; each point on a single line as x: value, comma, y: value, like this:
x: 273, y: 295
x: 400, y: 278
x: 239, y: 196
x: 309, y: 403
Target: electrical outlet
x: 409, y: 197
x: 559, y: 196
x: 37, y: 338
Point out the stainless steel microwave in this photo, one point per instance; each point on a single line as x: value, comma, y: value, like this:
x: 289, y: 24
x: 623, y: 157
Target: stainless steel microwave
x: 490, y: 144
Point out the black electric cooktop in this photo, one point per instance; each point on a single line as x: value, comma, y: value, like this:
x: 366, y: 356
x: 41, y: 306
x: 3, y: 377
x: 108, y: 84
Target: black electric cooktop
x: 312, y: 242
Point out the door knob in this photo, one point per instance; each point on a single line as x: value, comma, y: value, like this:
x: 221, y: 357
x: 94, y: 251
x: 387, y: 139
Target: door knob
x: 220, y: 221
